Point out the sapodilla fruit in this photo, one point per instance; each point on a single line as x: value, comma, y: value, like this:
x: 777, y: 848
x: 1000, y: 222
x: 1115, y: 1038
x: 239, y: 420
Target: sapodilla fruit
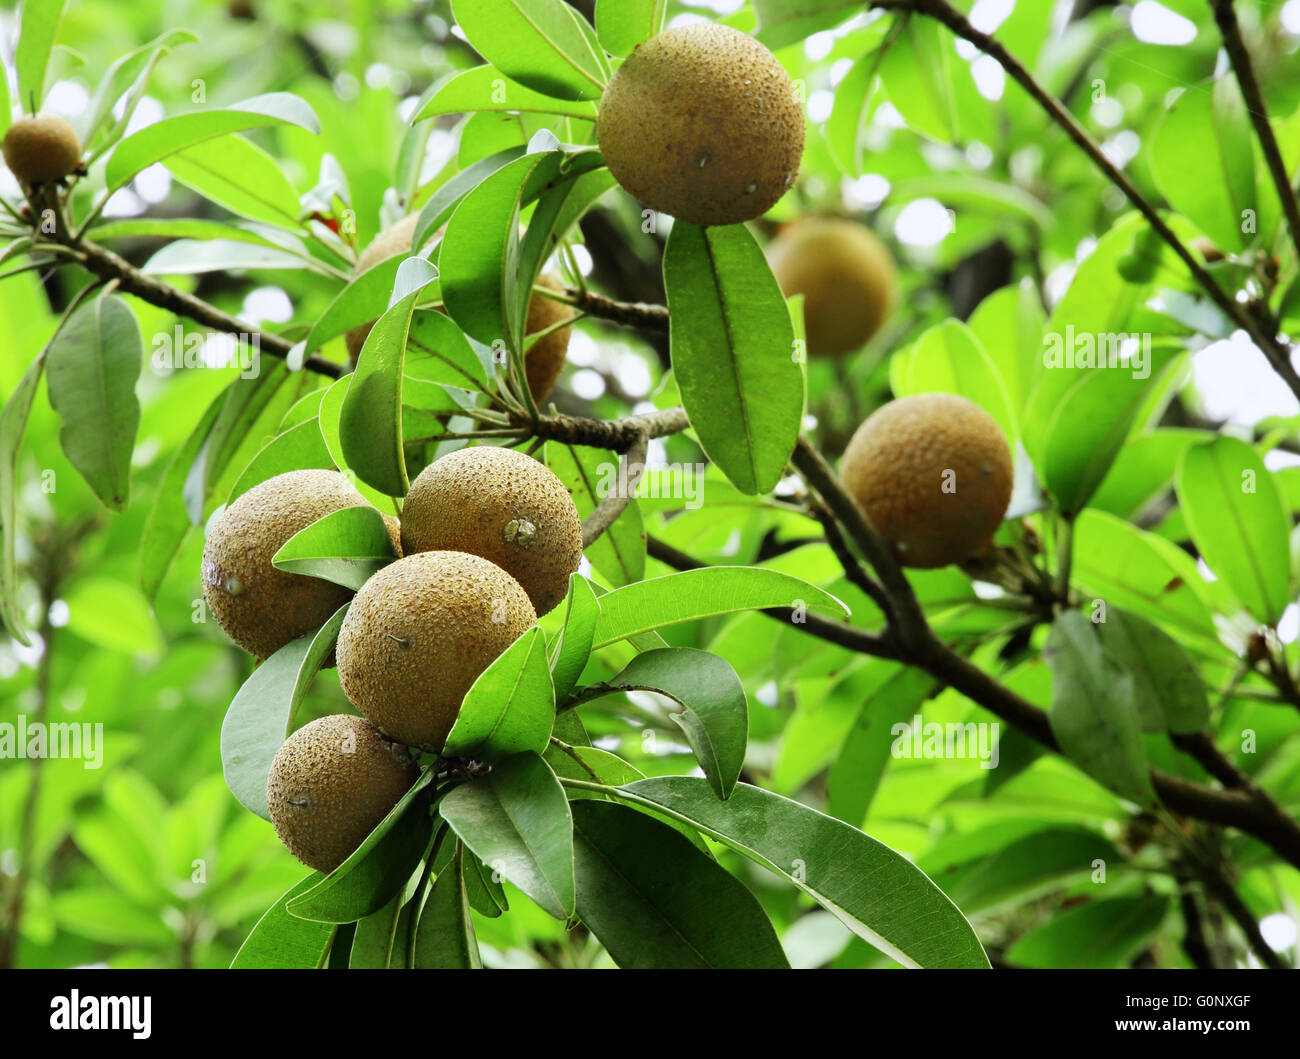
x: 545, y: 357
x: 846, y: 276
x: 933, y: 473
x: 330, y: 785
x: 702, y: 122
x: 504, y: 506
x: 259, y: 607
x: 41, y: 149
x: 419, y: 633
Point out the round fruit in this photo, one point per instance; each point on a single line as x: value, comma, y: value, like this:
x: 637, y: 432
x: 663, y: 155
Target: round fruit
x: 259, y: 607
x: 845, y: 275
x: 419, y: 633
x: 330, y: 784
x: 42, y: 149
x: 504, y: 506
x: 933, y: 474
x: 702, y: 122
x: 545, y: 358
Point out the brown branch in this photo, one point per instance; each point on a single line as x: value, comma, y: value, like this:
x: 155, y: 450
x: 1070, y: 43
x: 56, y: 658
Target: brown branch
x: 644, y: 317
x: 1273, y: 348
x: 1225, y: 15
x: 618, y: 435
x: 609, y: 509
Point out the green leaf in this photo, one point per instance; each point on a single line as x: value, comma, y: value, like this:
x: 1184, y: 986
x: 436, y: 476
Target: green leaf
x: 715, y: 710
x: 155, y: 142
x: 856, y: 98
x: 113, y: 615
x: 948, y: 358
x: 623, y: 24
x: 284, y: 942
x: 13, y: 424
x: 261, y: 713
x: 299, y: 447
x: 516, y: 820
x: 370, y: 422
x: 169, y: 521
x: 874, y: 891
x: 346, y: 547
x: 485, y: 88
x: 187, y: 257
x: 510, y: 708
x: 917, y: 73
x: 92, y: 365
x: 1093, y: 715
x: 239, y: 175
x: 378, y: 939
x: 1009, y: 325
x: 733, y: 352
x: 122, y: 74
x: 1099, y: 934
x: 1167, y: 690
x: 545, y: 45
x: 1238, y: 522
x: 783, y: 22
x: 657, y: 902
x: 378, y: 869
x: 1202, y: 157
x: 590, y: 475
x: 36, y: 32
x: 438, y: 351
x: 581, y: 613
x: 675, y: 598
x: 444, y: 938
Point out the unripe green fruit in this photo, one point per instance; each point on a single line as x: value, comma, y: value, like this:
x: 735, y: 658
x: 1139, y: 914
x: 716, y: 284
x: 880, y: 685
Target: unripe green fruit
x: 42, y: 149
x: 418, y: 635
x: 330, y: 785
x: 702, y: 122
x: 845, y: 275
x: 503, y: 505
x: 259, y: 607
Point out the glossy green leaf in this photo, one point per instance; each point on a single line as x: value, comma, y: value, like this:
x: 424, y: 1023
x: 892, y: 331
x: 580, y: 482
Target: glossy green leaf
x: 590, y: 475
x: 485, y: 88
x: 510, y: 708
x: 623, y: 24
x: 346, y: 547
x: 239, y: 175
x: 581, y: 612
x: 36, y: 33
x: 13, y: 424
x: 284, y: 942
x: 444, y: 937
x: 299, y: 447
x: 1099, y: 934
x: 733, y: 352
x: 1167, y: 691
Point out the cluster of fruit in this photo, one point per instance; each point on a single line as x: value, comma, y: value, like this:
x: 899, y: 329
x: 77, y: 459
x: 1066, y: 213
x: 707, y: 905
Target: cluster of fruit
x: 487, y: 541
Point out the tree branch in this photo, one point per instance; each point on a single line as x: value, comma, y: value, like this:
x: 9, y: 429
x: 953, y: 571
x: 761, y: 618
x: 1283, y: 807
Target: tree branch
x: 1225, y: 15
x: 1275, y: 350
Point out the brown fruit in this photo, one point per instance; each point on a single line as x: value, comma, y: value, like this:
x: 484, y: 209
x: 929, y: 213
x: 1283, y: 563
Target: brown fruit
x: 504, y: 506
x: 418, y: 635
x: 933, y: 473
x: 259, y: 607
x: 330, y: 785
x: 42, y: 149
x: 545, y: 358
x: 846, y: 276
x: 702, y: 122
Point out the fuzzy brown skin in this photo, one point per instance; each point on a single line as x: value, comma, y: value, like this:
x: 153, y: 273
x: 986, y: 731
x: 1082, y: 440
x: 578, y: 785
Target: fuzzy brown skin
x: 418, y: 635
x: 846, y: 276
x: 259, y: 607
x: 702, y: 122
x: 896, y: 467
x: 503, y: 505
x: 545, y: 358
x: 330, y: 785
x: 42, y: 149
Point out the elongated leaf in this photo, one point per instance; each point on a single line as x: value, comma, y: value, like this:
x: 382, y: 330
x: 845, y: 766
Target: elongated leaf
x: 284, y: 942
x: 378, y: 869
x: 783, y: 22
x: 623, y: 24
x: 346, y: 547
x: 93, y: 365
x: 1099, y: 934
x: 485, y: 88
x: 917, y: 72
x: 692, y: 594
x: 877, y: 893
x: 1167, y: 690
x: 733, y: 352
x: 261, y: 713
x: 1094, y: 716
x: 543, y: 44
x: 655, y: 901
x: 948, y: 358
x: 13, y: 424
x: 123, y: 73
x: 445, y: 935
x: 1238, y: 523
x: 155, y: 142
x: 517, y: 821
x: 301, y: 446
x: 590, y: 475
x: 240, y: 176
x: 510, y: 708
x: 36, y: 32
x: 715, y: 711
x: 582, y: 611
x: 378, y: 942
